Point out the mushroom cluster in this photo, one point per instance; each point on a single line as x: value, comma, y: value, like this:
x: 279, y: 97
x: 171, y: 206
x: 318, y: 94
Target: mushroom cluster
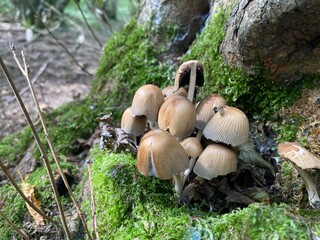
x: 173, y: 129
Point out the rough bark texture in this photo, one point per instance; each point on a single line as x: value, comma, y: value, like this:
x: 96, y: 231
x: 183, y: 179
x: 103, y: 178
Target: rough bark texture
x: 188, y: 16
x: 283, y: 35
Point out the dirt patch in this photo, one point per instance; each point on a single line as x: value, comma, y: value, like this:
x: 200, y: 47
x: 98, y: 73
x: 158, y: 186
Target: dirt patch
x: 55, y: 76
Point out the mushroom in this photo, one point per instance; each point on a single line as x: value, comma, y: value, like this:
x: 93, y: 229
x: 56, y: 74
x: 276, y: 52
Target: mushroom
x: 230, y: 126
x: 206, y: 108
x: 216, y: 160
x: 147, y: 101
x: 170, y: 91
x: 193, y: 148
x: 189, y: 73
x: 177, y: 115
x: 162, y: 156
x: 302, y: 159
x: 133, y: 125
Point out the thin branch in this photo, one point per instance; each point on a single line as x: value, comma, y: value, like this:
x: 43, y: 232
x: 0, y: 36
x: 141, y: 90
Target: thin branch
x: 88, y: 25
x: 51, y: 146
x: 33, y: 80
x: 40, y: 146
x: 93, y: 209
x: 13, y: 226
x: 57, y: 40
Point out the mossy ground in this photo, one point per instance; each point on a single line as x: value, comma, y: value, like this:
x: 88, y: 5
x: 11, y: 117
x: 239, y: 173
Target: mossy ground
x: 129, y: 205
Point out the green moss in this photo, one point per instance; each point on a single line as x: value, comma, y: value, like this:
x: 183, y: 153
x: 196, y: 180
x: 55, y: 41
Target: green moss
x: 129, y: 205
x: 130, y: 60
x: 255, y: 93
x: 13, y: 207
x: 260, y: 221
x: 13, y: 146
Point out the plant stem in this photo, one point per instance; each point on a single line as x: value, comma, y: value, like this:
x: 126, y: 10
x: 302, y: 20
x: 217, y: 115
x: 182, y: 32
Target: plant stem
x: 51, y: 146
x: 13, y: 226
x: 192, y: 83
x: 313, y: 195
x: 95, y: 232
x: 40, y: 146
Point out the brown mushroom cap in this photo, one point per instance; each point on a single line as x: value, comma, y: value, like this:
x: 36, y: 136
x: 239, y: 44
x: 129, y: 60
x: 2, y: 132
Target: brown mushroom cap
x: 206, y: 109
x: 216, y: 160
x: 161, y: 155
x: 299, y: 155
x: 135, y: 125
x: 192, y: 146
x: 183, y: 74
x: 147, y: 101
x: 229, y: 126
x: 177, y: 115
x: 170, y: 91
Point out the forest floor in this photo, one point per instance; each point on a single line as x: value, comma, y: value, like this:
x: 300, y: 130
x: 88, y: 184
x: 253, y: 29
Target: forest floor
x: 55, y: 76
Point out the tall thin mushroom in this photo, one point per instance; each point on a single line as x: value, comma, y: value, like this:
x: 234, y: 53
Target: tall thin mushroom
x: 189, y: 73
x: 302, y: 159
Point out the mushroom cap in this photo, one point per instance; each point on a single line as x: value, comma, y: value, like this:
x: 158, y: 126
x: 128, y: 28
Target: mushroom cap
x: 299, y: 155
x: 206, y: 109
x: 147, y: 101
x: 135, y: 125
x: 170, y: 91
x: 192, y: 147
x: 161, y: 155
x: 183, y: 74
x: 216, y: 160
x: 229, y: 126
x: 177, y: 115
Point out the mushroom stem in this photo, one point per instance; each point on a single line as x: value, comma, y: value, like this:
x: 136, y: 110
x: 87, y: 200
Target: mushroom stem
x: 178, y: 183
x: 199, y: 135
x: 192, y: 83
x: 153, y: 125
x: 313, y: 196
x: 188, y: 171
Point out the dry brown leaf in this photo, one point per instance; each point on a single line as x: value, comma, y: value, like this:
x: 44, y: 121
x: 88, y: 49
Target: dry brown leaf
x: 28, y: 190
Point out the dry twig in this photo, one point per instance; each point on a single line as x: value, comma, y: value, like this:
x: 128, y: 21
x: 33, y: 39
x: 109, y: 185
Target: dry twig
x: 40, y: 145
x: 93, y: 209
x: 26, y: 72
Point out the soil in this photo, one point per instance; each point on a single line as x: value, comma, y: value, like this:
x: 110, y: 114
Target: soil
x: 55, y: 76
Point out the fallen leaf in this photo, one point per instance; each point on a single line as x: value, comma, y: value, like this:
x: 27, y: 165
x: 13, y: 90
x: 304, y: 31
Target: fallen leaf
x: 28, y: 190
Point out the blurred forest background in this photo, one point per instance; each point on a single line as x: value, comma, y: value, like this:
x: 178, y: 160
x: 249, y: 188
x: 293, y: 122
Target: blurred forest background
x: 62, y: 41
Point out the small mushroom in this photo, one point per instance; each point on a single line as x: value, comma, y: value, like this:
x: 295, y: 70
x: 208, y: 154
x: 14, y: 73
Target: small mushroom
x: 133, y: 125
x: 193, y: 148
x: 302, y: 159
x: 162, y: 156
x: 216, y: 160
x: 170, y: 91
x: 177, y: 115
x: 147, y: 101
x: 189, y: 73
x: 206, y: 109
x: 230, y: 126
